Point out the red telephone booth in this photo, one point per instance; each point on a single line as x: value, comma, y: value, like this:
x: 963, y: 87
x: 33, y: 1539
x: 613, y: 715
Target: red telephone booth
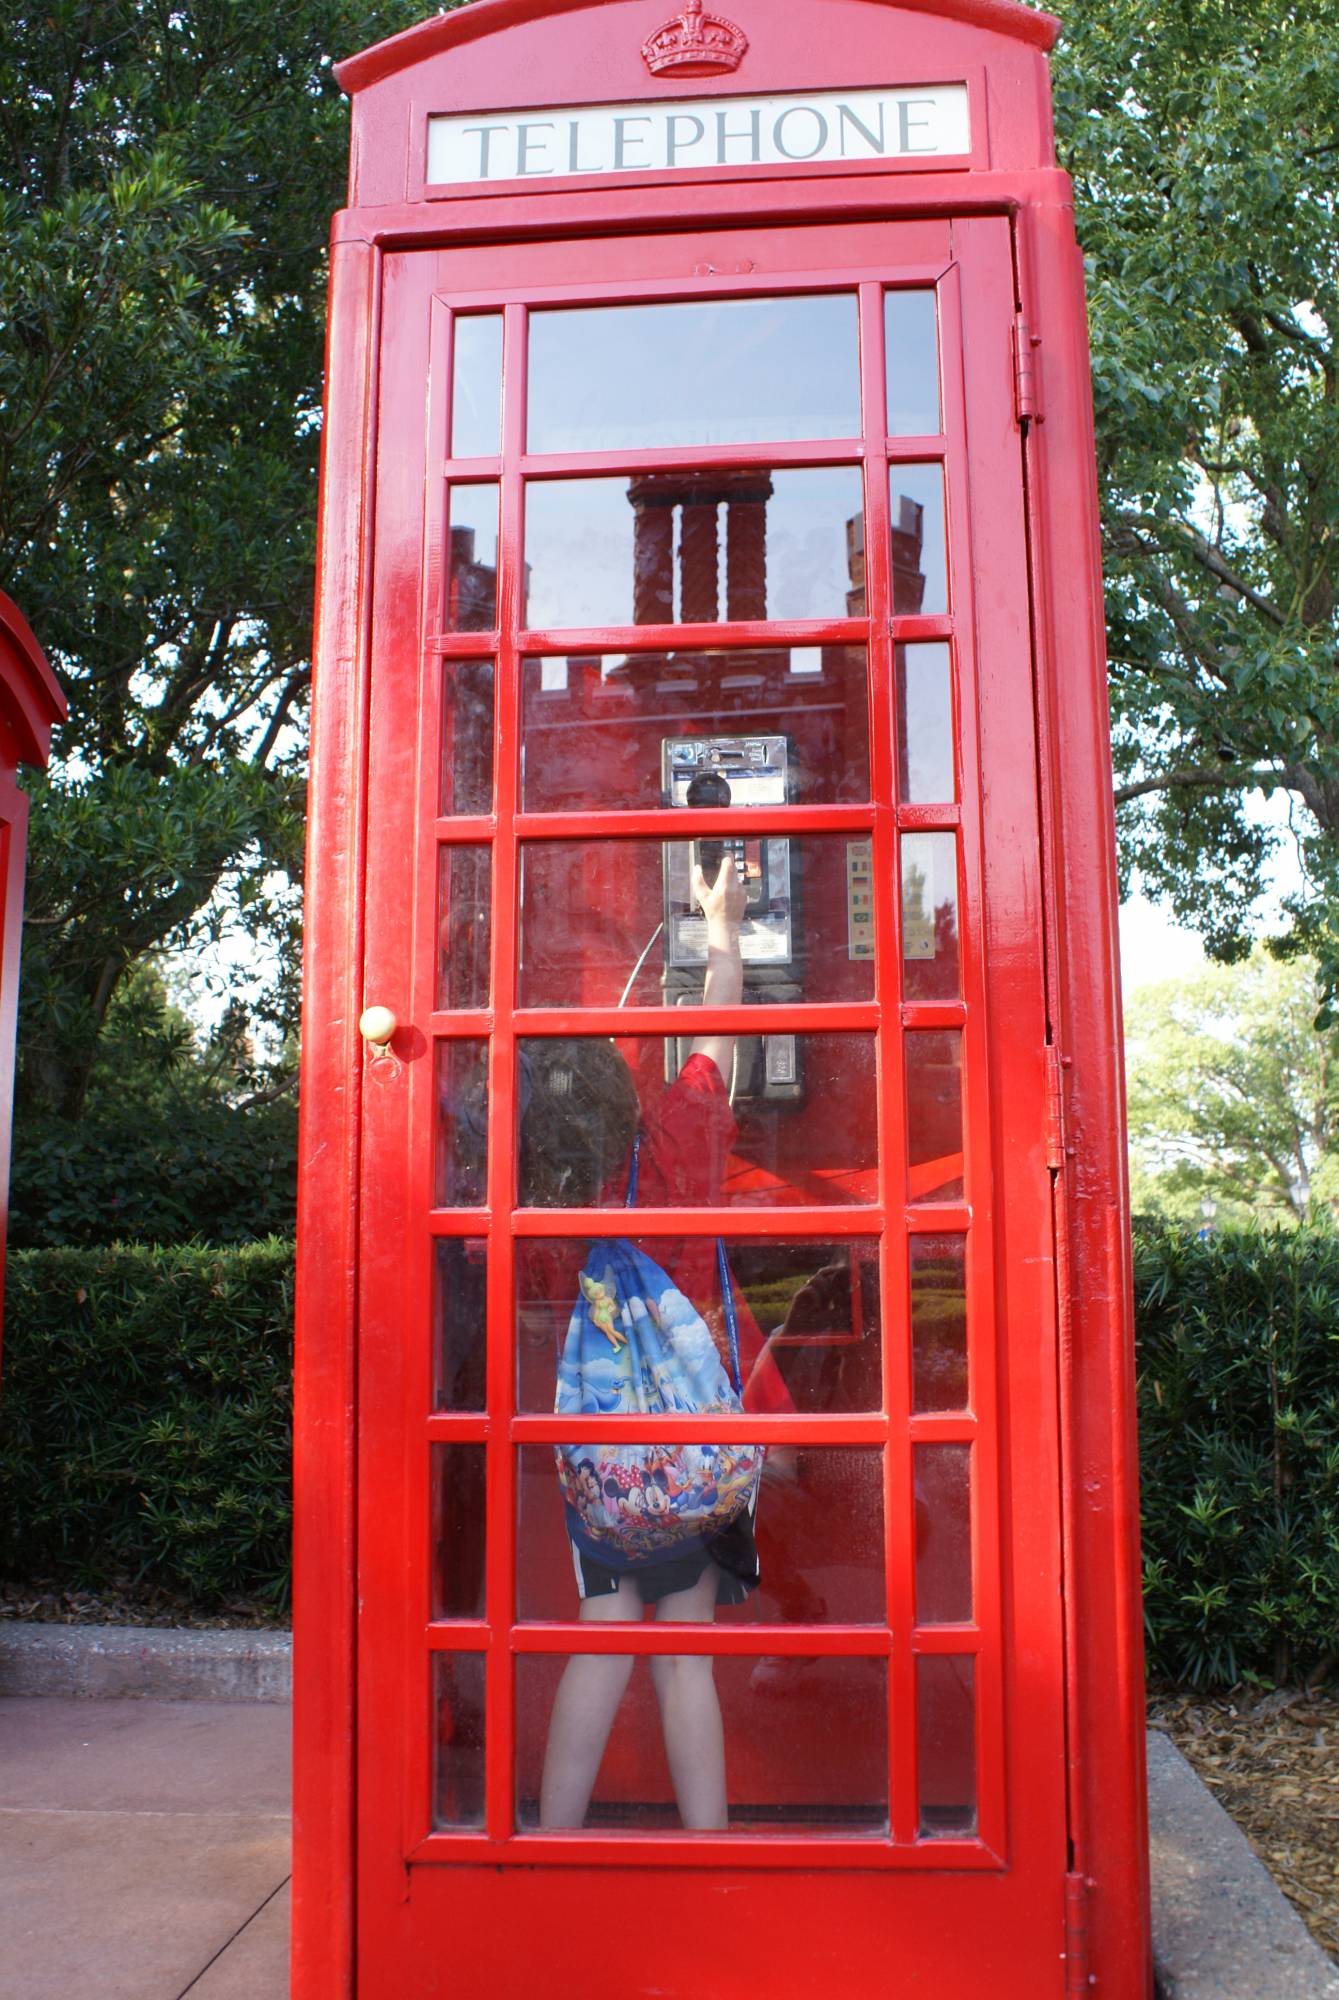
x: 31, y: 704
x: 711, y: 745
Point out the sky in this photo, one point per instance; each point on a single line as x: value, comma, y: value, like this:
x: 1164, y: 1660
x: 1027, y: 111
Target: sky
x: 1153, y: 947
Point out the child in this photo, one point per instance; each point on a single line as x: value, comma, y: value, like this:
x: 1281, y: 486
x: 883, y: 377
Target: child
x: 573, y: 1132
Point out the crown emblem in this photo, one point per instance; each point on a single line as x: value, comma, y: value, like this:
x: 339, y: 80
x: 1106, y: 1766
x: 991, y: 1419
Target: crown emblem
x: 695, y: 44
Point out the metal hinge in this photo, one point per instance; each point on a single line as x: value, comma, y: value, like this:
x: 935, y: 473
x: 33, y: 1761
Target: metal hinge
x: 1056, y: 1150
x: 1027, y: 404
x: 1078, y: 1979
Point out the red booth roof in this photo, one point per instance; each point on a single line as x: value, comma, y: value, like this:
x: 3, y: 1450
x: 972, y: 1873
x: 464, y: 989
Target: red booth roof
x: 487, y: 17
x: 31, y: 702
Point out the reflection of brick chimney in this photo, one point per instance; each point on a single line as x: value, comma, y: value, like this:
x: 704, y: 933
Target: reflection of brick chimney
x: 699, y: 497
x: 855, y: 566
x: 746, y: 545
x: 699, y: 560
x: 652, y: 552
x: 908, y: 536
x: 471, y: 587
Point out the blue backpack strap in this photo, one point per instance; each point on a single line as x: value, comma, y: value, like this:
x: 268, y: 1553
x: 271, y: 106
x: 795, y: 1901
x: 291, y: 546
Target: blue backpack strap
x: 731, y: 1316
x: 722, y: 1268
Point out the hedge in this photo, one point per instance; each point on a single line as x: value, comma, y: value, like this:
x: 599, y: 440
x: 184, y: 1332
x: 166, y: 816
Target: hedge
x: 155, y: 1171
x: 1238, y: 1354
x: 144, y: 1435
x: 146, y: 1418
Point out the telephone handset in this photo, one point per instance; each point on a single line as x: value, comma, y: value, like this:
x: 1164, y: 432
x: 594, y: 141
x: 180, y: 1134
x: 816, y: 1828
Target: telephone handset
x: 712, y: 772
x: 712, y: 788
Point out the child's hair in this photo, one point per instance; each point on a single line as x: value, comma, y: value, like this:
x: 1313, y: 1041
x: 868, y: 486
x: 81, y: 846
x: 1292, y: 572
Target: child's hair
x: 578, y: 1123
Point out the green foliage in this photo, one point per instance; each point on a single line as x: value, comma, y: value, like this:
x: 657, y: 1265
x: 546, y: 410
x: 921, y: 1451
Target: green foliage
x: 1203, y: 140
x: 1233, y: 1094
x: 174, y: 1142
x: 146, y: 1418
x: 1238, y: 1339
x: 160, y: 1176
x: 166, y: 182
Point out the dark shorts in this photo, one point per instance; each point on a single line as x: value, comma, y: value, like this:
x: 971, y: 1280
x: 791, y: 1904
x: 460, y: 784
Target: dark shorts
x: 733, y: 1554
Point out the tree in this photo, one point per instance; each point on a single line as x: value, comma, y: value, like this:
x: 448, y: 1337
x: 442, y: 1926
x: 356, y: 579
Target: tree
x: 1233, y: 1094
x: 178, y: 1138
x: 1204, y: 140
x: 166, y: 179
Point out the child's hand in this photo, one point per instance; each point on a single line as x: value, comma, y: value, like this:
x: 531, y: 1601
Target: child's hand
x: 723, y: 901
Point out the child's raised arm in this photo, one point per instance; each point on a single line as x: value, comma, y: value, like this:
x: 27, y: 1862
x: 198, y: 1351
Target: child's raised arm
x: 722, y: 903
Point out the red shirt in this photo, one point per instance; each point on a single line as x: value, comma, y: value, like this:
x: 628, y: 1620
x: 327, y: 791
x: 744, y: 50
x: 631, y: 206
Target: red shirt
x: 685, y: 1146
x: 686, y: 1138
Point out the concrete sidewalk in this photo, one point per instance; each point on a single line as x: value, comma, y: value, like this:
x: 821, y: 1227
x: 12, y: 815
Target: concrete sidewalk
x: 143, y: 1849
x: 144, y: 1853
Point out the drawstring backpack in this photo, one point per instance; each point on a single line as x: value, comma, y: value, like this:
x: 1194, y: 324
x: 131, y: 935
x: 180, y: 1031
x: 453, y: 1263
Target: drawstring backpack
x: 635, y: 1343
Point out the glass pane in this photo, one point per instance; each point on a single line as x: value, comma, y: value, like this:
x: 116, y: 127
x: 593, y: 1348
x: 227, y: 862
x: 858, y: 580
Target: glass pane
x: 911, y: 336
x: 939, y: 1322
x: 458, y: 1741
x: 476, y: 399
x: 467, y: 738
x: 920, y: 564
x: 946, y: 1744
x: 460, y: 1298
x: 943, y: 1533
x: 810, y: 1553
x: 807, y: 1314
x: 720, y: 371
x: 805, y: 1744
x: 801, y: 1130
x: 934, y: 1115
x: 463, y: 936
x: 780, y: 723
x: 612, y: 922
x: 460, y: 1178
x: 458, y: 1530
x: 673, y: 548
x: 471, y: 573
x: 925, y: 724
x: 930, y: 916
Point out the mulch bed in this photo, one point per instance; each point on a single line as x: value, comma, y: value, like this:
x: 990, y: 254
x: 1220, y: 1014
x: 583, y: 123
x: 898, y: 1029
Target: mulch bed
x: 1273, y: 1763
x: 129, y: 1604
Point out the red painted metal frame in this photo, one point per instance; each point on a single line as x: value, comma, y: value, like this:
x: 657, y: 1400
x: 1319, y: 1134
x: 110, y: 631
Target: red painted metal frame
x: 326, y: 1369
x: 1070, y: 898
x: 1104, y: 1679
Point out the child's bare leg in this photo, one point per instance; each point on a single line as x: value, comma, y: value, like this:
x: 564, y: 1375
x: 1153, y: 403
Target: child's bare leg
x: 583, y: 1714
x: 690, y: 1713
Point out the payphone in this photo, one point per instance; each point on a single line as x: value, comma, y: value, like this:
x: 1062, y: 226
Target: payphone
x: 712, y: 771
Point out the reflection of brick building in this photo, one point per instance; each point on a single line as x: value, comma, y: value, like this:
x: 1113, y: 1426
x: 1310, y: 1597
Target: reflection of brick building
x: 908, y: 527
x: 855, y: 566
x: 471, y: 587
x: 699, y: 497
x: 908, y: 538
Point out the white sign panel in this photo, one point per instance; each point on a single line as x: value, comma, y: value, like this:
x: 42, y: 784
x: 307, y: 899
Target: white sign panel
x: 854, y: 125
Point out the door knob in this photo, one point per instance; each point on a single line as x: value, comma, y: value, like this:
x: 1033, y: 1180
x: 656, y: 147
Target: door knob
x: 376, y: 1025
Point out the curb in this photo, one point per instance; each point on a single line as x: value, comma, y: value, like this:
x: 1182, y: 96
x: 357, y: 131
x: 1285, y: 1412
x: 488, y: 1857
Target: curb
x: 1222, y: 1928
x: 163, y: 1662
